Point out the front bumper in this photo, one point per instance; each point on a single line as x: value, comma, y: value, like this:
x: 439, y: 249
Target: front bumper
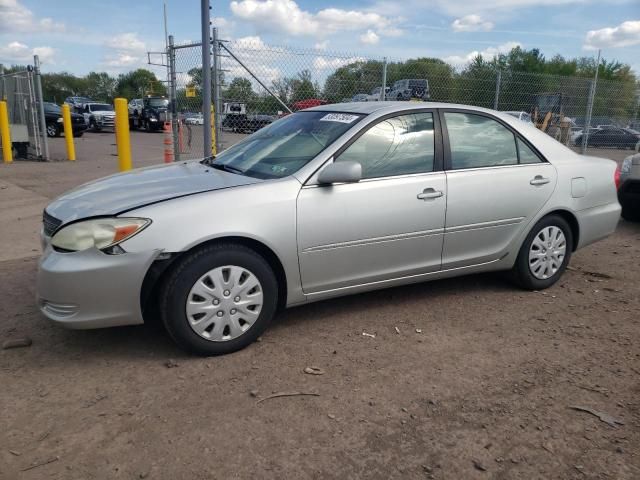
x: 91, y: 289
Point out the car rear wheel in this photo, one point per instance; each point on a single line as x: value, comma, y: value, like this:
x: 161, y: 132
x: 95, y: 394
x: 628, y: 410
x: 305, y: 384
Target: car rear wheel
x: 219, y: 299
x: 545, y: 254
x: 52, y: 130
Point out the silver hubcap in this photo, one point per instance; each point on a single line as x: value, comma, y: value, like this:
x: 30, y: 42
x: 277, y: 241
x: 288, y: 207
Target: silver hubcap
x: 547, y: 252
x: 224, y: 303
x: 51, y: 130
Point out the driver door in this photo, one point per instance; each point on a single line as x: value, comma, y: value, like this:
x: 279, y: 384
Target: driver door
x: 387, y: 226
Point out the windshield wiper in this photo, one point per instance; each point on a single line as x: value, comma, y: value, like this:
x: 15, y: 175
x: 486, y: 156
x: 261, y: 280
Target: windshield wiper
x: 227, y: 168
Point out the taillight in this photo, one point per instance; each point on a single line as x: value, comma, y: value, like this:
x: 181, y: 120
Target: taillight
x: 616, y: 177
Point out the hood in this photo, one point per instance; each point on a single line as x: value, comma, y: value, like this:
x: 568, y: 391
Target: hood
x: 124, y: 191
x: 105, y: 113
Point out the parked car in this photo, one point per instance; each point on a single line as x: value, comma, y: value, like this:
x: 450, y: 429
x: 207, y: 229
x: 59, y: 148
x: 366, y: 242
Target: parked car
x: 99, y: 116
x: 194, y: 119
x: 246, y: 123
x: 629, y: 189
x: 77, y: 103
x: 375, y: 94
x: 611, y: 138
x: 330, y: 201
x: 577, y: 132
x: 409, y: 89
x: 522, y: 116
x: 53, y: 119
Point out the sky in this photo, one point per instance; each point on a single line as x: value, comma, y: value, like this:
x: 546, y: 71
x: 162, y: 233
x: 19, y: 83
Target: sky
x: 114, y: 35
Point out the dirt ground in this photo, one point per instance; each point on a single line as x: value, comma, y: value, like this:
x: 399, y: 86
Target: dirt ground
x: 467, y: 378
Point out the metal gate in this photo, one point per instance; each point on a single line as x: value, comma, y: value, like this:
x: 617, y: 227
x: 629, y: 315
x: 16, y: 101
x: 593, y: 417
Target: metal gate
x: 28, y: 137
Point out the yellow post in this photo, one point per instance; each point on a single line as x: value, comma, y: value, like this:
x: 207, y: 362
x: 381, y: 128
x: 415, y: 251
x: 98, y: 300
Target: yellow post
x: 7, y: 147
x: 68, y: 132
x: 214, y: 150
x: 122, y: 134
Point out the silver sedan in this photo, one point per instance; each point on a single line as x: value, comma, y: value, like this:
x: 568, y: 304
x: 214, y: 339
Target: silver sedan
x: 329, y: 201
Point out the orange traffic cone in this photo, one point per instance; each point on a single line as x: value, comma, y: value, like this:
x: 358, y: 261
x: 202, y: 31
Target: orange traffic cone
x: 168, y: 143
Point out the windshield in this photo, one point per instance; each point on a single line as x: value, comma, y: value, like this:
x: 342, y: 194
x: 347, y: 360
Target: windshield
x: 101, y: 107
x: 285, y: 146
x: 158, y: 102
x: 52, y: 107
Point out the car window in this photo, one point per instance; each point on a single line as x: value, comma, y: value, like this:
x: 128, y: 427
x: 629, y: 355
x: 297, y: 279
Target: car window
x: 527, y: 155
x: 283, y: 147
x: 478, y: 141
x: 396, y: 146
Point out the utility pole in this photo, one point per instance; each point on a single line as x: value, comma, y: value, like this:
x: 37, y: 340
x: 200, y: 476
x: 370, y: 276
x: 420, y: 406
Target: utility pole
x: 174, y: 103
x: 383, y: 93
x: 587, y: 120
x: 206, y: 75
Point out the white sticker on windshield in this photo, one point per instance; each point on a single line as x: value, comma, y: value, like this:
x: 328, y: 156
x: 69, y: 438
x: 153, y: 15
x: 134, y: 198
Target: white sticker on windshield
x: 339, y: 117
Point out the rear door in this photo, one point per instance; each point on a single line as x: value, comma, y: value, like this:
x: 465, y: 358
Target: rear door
x: 496, y: 182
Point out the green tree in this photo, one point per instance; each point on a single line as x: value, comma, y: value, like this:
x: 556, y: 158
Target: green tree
x: 138, y: 83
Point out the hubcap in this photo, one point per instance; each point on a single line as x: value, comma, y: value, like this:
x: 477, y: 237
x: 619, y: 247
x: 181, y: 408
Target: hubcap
x: 224, y: 303
x: 51, y: 130
x: 547, y: 252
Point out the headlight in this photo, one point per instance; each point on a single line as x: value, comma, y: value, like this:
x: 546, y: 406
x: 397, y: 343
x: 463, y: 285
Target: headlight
x: 100, y: 233
x: 60, y: 120
x: 626, y: 165
x: 98, y: 117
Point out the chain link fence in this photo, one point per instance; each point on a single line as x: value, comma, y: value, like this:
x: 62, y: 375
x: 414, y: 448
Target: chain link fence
x: 259, y: 83
x: 19, y: 91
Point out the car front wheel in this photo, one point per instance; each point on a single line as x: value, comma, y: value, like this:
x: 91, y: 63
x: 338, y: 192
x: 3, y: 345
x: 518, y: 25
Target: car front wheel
x: 219, y: 299
x: 545, y: 254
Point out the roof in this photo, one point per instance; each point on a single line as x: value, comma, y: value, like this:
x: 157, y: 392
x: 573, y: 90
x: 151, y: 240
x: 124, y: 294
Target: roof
x: 371, y: 107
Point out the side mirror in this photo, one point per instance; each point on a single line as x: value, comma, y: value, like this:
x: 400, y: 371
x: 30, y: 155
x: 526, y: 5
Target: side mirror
x: 340, y: 172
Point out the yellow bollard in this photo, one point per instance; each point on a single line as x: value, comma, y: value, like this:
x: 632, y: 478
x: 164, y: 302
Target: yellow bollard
x: 122, y: 134
x: 68, y: 132
x: 7, y: 147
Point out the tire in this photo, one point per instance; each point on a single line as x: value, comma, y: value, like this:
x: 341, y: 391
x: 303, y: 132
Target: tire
x: 545, y: 277
x: 52, y: 130
x: 203, y: 271
x: 629, y: 214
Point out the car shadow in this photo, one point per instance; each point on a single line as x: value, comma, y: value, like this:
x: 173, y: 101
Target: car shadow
x: 151, y: 341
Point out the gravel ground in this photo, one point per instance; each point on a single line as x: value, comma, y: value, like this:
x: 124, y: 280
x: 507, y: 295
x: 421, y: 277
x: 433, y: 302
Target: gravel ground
x: 477, y: 381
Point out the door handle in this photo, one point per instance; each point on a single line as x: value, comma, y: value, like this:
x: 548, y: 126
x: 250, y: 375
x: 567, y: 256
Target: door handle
x: 429, y: 193
x: 539, y: 180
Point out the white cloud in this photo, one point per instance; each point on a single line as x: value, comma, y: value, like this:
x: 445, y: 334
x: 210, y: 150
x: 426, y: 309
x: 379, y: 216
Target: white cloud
x: 125, y: 51
x: 322, y: 45
x: 488, y: 54
x: 16, y: 52
x: 326, y: 63
x: 15, y: 17
x: 370, y: 38
x: 285, y: 16
x: 459, y: 9
x: 127, y: 42
x: 471, y: 23
x: 624, y: 35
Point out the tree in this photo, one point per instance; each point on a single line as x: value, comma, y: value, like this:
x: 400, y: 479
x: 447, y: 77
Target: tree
x: 239, y: 90
x: 100, y: 86
x: 139, y: 83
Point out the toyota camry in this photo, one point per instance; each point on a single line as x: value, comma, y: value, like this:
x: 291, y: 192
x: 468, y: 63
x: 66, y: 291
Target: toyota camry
x: 329, y: 201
